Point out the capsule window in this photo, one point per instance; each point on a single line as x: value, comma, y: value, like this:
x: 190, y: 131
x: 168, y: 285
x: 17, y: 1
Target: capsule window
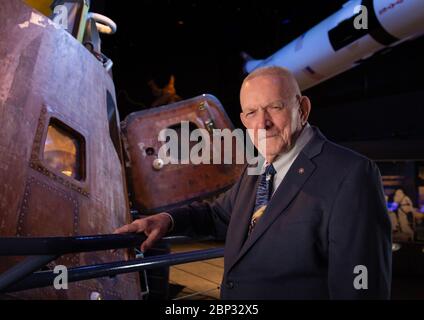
x: 64, y: 150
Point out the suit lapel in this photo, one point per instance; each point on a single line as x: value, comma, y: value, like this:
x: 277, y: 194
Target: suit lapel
x: 240, y: 220
x: 287, y: 190
x: 298, y: 174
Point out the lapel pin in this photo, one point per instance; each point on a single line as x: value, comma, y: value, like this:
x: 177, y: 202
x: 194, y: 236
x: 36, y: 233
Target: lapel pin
x: 301, y: 171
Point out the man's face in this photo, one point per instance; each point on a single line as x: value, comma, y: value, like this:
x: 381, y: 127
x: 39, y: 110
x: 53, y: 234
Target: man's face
x: 267, y: 104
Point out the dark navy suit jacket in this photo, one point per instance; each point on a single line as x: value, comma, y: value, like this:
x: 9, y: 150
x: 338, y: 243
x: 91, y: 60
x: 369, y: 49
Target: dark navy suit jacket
x: 321, y: 222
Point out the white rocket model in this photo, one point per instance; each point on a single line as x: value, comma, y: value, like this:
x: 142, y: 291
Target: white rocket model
x: 355, y: 32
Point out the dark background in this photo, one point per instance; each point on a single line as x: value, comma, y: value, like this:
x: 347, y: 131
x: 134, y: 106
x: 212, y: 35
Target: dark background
x: 376, y: 108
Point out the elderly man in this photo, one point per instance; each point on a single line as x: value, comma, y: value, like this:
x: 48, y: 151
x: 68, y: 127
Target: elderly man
x: 313, y: 225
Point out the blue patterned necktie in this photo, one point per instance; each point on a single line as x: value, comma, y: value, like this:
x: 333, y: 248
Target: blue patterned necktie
x: 263, y: 194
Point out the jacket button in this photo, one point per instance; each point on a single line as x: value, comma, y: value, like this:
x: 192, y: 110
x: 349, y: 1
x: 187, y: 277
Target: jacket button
x: 230, y: 284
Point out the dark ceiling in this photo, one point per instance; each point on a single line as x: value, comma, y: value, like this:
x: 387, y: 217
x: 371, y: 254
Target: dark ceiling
x: 200, y: 43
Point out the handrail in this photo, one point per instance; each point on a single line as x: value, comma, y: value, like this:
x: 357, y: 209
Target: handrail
x: 20, y: 246
x: 42, y: 250
x: 46, y: 278
x: 24, y: 269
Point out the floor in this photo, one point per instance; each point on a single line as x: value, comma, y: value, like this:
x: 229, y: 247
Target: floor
x: 198, y: 280
x: 201, y: 280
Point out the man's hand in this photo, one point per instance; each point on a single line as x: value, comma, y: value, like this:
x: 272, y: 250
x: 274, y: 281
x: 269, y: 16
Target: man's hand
x: 154, y: 227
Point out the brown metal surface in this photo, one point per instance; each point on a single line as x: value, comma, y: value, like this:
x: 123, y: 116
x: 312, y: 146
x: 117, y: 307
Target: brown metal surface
x: 46, y: 74
x: 174, y: 184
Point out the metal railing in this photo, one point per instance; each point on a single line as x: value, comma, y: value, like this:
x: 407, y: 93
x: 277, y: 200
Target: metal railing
x: 41, y: 251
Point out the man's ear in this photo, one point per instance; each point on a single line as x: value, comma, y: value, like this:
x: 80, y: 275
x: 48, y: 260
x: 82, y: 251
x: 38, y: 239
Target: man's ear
x: 304, y: 109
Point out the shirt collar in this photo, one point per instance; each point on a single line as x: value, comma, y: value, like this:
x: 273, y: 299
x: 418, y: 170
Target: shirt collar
x: 284, y: 158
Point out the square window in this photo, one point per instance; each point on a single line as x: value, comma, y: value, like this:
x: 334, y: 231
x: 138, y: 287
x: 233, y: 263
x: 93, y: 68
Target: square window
x: 64, y: 150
